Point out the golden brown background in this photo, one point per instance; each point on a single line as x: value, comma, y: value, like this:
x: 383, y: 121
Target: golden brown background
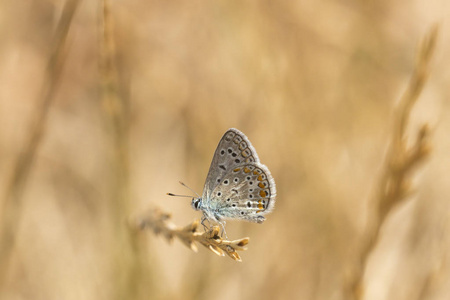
x: 131, y: 104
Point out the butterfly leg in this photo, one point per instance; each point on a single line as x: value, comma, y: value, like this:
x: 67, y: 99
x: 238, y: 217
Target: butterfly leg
x: 204, y: 218
x: 223, y: 231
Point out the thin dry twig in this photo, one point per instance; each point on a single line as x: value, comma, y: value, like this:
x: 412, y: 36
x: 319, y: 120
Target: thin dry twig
x: 21, y: 169
x: 401, y: 160
x: 188, y: 235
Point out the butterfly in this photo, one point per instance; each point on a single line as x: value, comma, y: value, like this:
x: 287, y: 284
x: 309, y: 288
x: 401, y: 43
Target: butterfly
x: 238, y: 186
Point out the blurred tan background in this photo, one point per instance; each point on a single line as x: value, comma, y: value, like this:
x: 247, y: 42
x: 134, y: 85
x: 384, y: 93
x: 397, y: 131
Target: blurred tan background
x: 313, y: 84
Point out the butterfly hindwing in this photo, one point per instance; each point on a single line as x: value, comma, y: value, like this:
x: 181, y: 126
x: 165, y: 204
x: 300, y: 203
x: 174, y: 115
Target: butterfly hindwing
x: 247, y: 192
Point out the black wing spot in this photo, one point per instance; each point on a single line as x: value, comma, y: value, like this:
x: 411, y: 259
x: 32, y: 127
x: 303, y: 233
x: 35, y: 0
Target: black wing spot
x: 234, y: 154
x: 242, y: 213
x: 229, y: 199
x: 219, y: 194
x: 250, y: 196
x: 235, y: 190
x: 230, y: 150
x: 249, y: 204
x: 234, y: 204
x: 237, y: 160
x: 222, y: 152
x: 223, y: 167
x: 236, y: 180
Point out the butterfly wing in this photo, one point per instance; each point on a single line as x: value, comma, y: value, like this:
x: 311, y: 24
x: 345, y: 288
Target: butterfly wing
x: 234, y: 150
x: 247, y: 193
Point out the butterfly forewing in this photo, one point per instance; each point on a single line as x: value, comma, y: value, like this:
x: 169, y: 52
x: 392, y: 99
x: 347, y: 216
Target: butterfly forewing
x: 234, y: 150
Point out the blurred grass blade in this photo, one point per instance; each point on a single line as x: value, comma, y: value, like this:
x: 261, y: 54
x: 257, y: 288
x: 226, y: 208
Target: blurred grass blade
x: 394, y: 186
x: 18, y: 180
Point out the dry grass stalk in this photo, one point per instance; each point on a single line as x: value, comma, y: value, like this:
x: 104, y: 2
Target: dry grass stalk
x: 21, y: 169
x: 128, y: 258
x: 116, y: 111
x: 400, y: 162
x: 188, y: 235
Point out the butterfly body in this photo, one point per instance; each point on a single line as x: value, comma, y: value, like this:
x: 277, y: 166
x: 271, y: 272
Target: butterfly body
x: 238, y: 186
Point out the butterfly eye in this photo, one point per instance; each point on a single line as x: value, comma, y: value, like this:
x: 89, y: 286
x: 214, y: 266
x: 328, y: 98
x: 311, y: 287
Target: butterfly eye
x: 196, y: 204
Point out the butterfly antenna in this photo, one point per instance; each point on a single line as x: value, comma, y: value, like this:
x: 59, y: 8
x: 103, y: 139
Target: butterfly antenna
x: 175, y: 195
x: 182, y: 183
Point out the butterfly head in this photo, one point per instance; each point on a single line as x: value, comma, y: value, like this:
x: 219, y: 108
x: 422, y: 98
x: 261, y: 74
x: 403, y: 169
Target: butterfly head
x: 196, y: 203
